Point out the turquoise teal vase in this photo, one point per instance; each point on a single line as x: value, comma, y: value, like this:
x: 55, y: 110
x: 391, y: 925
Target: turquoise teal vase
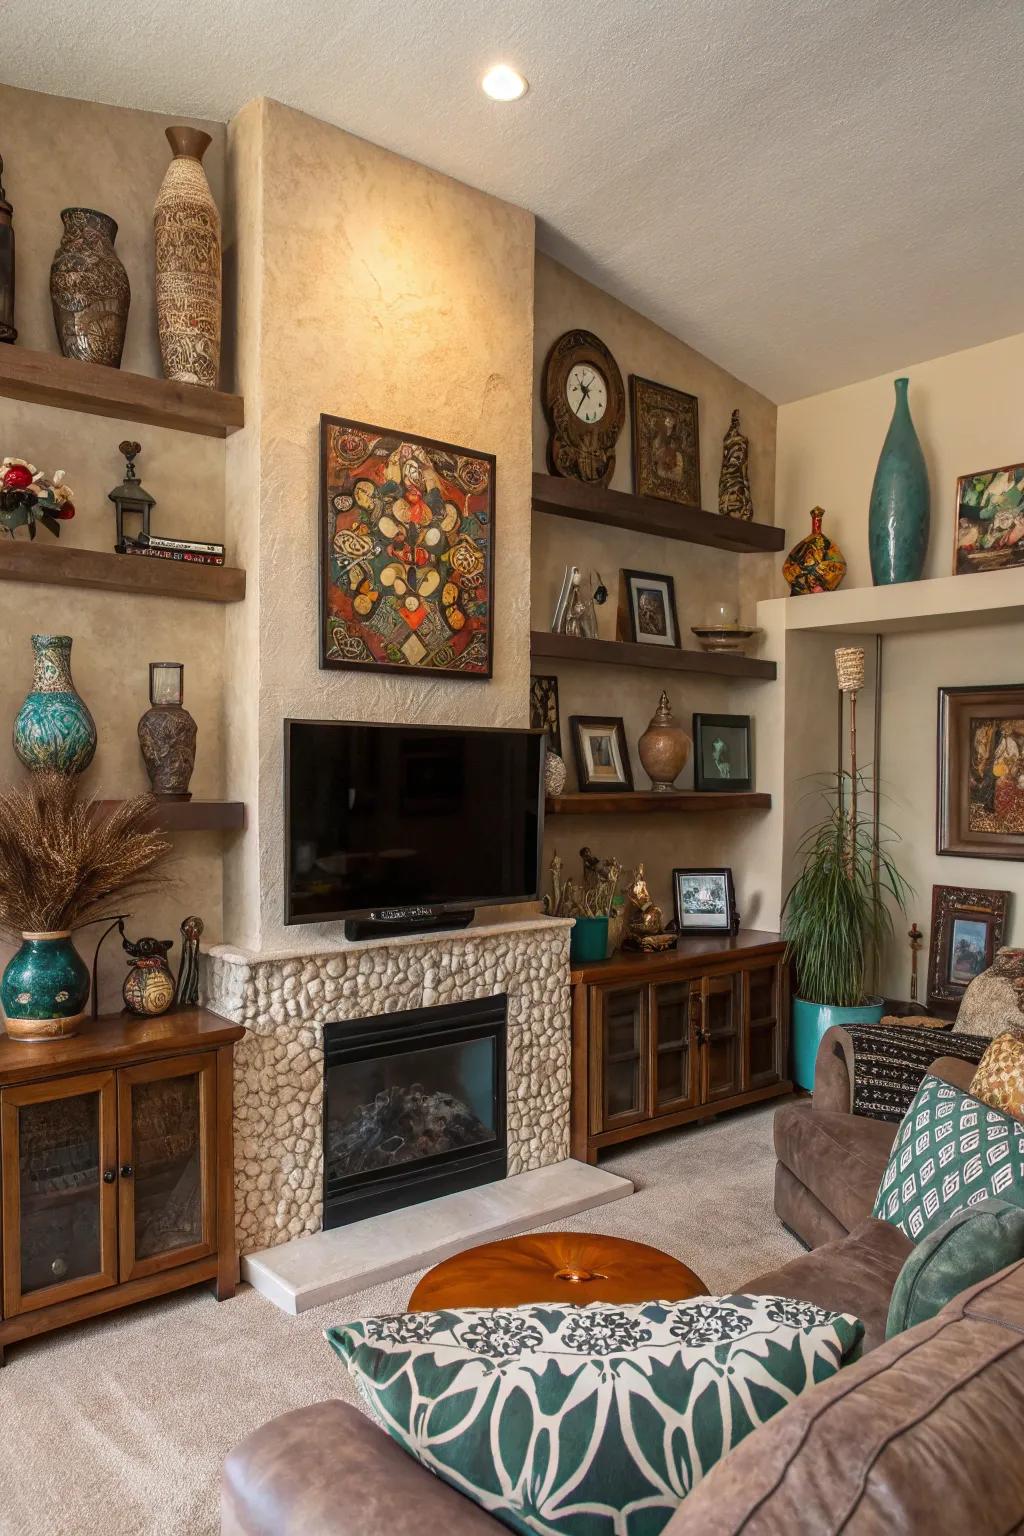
x: 54, y: 729
x: 811, y: 1020
x: 45, y: 988
x: 588, y: 940
x: 899, y: 513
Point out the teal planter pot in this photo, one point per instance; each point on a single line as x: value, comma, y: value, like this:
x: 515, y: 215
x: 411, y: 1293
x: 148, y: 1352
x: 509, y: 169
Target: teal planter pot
x: 588, y: 940
x: 899, y: 512
x: 811, y: 1020
x: 44, y: 988
x: 54, y: 729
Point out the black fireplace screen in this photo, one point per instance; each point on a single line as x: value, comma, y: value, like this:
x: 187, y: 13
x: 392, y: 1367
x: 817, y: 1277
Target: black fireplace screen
x: 414, y: 1107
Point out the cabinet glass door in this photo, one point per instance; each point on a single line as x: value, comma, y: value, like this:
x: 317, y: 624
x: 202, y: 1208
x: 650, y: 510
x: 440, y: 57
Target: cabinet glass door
x: 166, y: 1130
x: 675, y: 1015
x: 58, y: 1142
x: 721, y: 1038
x: 762, y: 1016
x: 621, y: 1023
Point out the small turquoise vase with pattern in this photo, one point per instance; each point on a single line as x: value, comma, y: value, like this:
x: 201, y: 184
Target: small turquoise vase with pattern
x: 45, y: 988
x: 54, y: 728
x: 899, y: 512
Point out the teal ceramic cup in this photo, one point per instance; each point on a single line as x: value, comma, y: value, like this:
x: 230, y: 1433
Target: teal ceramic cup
x: 44, y: 988
x: 588, y: 940
x: 811, y: 1020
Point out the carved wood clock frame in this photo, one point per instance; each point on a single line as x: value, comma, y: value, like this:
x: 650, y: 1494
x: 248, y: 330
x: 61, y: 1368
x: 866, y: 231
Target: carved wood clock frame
x: 585, y: 414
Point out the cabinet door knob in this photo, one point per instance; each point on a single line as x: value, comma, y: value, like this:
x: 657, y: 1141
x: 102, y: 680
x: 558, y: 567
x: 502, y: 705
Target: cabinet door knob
x: 109, y: 1175
x: 126, y: 1170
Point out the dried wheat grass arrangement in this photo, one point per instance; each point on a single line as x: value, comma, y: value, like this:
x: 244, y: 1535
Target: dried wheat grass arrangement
x: 64, y: 859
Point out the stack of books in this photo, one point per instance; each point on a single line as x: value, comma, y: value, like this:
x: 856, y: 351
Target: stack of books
x: 195, y: 551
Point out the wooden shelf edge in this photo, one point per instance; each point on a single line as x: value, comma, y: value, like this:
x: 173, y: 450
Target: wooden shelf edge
x: 645, y: 514
x: 648, y: 802
x: 193, y: 815
x: 626, y: 653
x: 46, y: 378
x: 60, y: 565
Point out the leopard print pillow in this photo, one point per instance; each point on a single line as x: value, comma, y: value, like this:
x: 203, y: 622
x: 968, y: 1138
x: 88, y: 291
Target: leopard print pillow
x: 999, y: 1080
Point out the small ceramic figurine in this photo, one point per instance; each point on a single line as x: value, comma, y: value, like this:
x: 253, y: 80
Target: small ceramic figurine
x: 149, y: 986
x: 187, y: 992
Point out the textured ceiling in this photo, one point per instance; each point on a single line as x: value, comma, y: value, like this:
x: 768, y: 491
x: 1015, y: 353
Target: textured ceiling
x: 808, y: 191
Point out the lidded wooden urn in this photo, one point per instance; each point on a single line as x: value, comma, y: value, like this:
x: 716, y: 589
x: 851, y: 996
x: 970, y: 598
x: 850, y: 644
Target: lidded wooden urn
x: 187, y: 239
x: 664, y: 748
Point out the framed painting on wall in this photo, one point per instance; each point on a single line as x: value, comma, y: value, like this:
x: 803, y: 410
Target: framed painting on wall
x: 406, y: 553
x: 981, y: 772
x: 967, y: 929
x: 989, y: 520
x: 666, y: 442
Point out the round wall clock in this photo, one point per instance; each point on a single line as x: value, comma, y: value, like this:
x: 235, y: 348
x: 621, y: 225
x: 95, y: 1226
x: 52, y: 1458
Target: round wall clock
x: 585, y: 405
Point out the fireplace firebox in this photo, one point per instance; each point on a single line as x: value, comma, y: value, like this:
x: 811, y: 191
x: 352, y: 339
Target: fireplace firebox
x: 414, y: 1107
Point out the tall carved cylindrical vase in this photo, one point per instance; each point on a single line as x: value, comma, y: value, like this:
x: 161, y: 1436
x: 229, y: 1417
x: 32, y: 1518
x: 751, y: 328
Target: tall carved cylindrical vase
x: 899, y: 512
x: 187, y: 238
x: 89, y: 289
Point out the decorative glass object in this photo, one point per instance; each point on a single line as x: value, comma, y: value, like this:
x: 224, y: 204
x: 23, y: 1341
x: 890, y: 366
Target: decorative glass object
x: 814, y: 564
x: 899, y: 511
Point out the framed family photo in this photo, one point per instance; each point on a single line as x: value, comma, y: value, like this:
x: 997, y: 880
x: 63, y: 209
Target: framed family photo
x: 647, y: 609
x: 705, y: 900
x: 981, y: 772
x: 967, y: 929
x: 722, y: 753
x: 602, y: 758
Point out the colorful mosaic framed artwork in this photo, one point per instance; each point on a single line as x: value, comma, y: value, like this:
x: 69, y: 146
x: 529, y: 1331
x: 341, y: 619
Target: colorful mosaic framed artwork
x: 406, y: 553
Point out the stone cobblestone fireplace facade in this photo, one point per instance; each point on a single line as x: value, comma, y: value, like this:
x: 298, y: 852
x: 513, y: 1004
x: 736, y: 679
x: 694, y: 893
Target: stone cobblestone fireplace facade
x: 285, y: 1000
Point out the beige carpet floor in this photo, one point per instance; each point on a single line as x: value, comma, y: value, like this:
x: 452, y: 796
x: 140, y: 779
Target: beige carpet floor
x: 119, y: 1427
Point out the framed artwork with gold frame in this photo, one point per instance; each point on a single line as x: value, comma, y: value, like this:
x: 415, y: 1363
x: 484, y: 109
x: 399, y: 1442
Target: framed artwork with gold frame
x: 967, y: 929
x: 980, y: 800
x: 406, y: 539
x: 666, y: 442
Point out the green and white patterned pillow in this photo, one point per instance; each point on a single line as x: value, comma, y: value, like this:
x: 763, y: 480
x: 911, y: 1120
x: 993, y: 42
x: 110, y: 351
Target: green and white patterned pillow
x: 595, y: 1420
x: 951, y: 1151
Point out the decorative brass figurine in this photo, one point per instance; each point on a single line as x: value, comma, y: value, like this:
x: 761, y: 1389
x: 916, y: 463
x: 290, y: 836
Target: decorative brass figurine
x: 646, y: 931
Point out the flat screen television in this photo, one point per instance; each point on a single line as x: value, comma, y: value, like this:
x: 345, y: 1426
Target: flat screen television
x: 394, y: 827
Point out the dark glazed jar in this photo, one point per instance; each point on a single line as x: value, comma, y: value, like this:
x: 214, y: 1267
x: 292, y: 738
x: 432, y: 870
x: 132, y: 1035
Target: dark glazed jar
x: 89, y: 289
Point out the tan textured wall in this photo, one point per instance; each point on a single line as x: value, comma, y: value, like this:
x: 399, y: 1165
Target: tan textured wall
x: 703, y: 577
x: 966, y: 408
x: 393, y: 295
x: 59, y: 152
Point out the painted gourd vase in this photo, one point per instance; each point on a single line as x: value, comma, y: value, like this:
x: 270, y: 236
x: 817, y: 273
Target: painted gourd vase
x: 814, y: 564
x: 54, y: 728
x: 899, y: 512
x: 187, y: 242
x: 89, y: 289
x: 44, y: 988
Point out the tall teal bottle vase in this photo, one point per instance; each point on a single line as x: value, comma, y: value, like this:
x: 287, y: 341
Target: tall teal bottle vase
x: 54, y: 728
x: 899, y: 513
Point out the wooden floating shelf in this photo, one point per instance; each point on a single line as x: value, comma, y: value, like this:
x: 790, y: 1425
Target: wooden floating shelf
x: 645, y: 514
x: 660, y: 658
x: 651, y: 802
x: 63, y: 566
x: 193, y: 815
x: 44, y: 378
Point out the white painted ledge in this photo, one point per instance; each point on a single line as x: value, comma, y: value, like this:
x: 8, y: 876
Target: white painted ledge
x: 944, y: 602
x: 322, y: 1266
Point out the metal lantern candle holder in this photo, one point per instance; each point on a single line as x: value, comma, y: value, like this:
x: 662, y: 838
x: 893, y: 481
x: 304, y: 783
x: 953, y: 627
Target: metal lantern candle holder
x: 130, y: 499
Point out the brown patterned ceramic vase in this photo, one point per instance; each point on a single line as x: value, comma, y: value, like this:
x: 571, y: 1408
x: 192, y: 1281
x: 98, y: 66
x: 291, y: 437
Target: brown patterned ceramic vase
x: 814, y: 564
x: 167, y: 736
x: 186, y: 229
x: 664, y: 748
x: 89, y: 289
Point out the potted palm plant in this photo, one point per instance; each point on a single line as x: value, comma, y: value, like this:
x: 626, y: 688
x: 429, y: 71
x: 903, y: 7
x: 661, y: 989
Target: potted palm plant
x: 836, y: 918
x: 65, y: 861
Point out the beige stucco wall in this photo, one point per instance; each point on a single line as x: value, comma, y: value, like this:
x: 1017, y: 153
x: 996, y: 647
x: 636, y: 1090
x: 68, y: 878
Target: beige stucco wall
x: 389, y: 294
x: 703, y: 578
x: 60, y: 152
x: 966, y: 408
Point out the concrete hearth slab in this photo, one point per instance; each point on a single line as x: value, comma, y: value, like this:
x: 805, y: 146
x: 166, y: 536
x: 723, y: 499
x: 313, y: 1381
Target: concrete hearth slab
x: 322, y: 1266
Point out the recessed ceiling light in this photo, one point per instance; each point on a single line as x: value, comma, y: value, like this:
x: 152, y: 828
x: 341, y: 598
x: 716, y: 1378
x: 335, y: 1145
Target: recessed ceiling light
x: 503, y: 83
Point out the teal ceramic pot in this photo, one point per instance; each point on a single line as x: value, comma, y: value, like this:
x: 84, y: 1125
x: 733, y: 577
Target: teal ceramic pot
x: 899, y: 513
x: 588, y: 940
x: 54, y: 729
x: 45, y: 988
x: 811, y: 1020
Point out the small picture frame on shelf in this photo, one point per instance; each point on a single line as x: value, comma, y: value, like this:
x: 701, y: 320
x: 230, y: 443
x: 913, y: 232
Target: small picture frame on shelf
x: 705, y: 900
x: 967, y: 929
x: 544, y: 711
x: 647, y: 609
x: 602, y: 757
x: 723, y: 758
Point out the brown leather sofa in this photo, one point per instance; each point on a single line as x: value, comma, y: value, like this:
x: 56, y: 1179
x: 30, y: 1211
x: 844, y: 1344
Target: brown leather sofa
x: 921, y: 1435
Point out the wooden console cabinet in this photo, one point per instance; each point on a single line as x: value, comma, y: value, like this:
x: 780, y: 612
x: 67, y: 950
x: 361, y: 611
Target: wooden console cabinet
x: 658, y: 1040
x: 116, y: 1168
